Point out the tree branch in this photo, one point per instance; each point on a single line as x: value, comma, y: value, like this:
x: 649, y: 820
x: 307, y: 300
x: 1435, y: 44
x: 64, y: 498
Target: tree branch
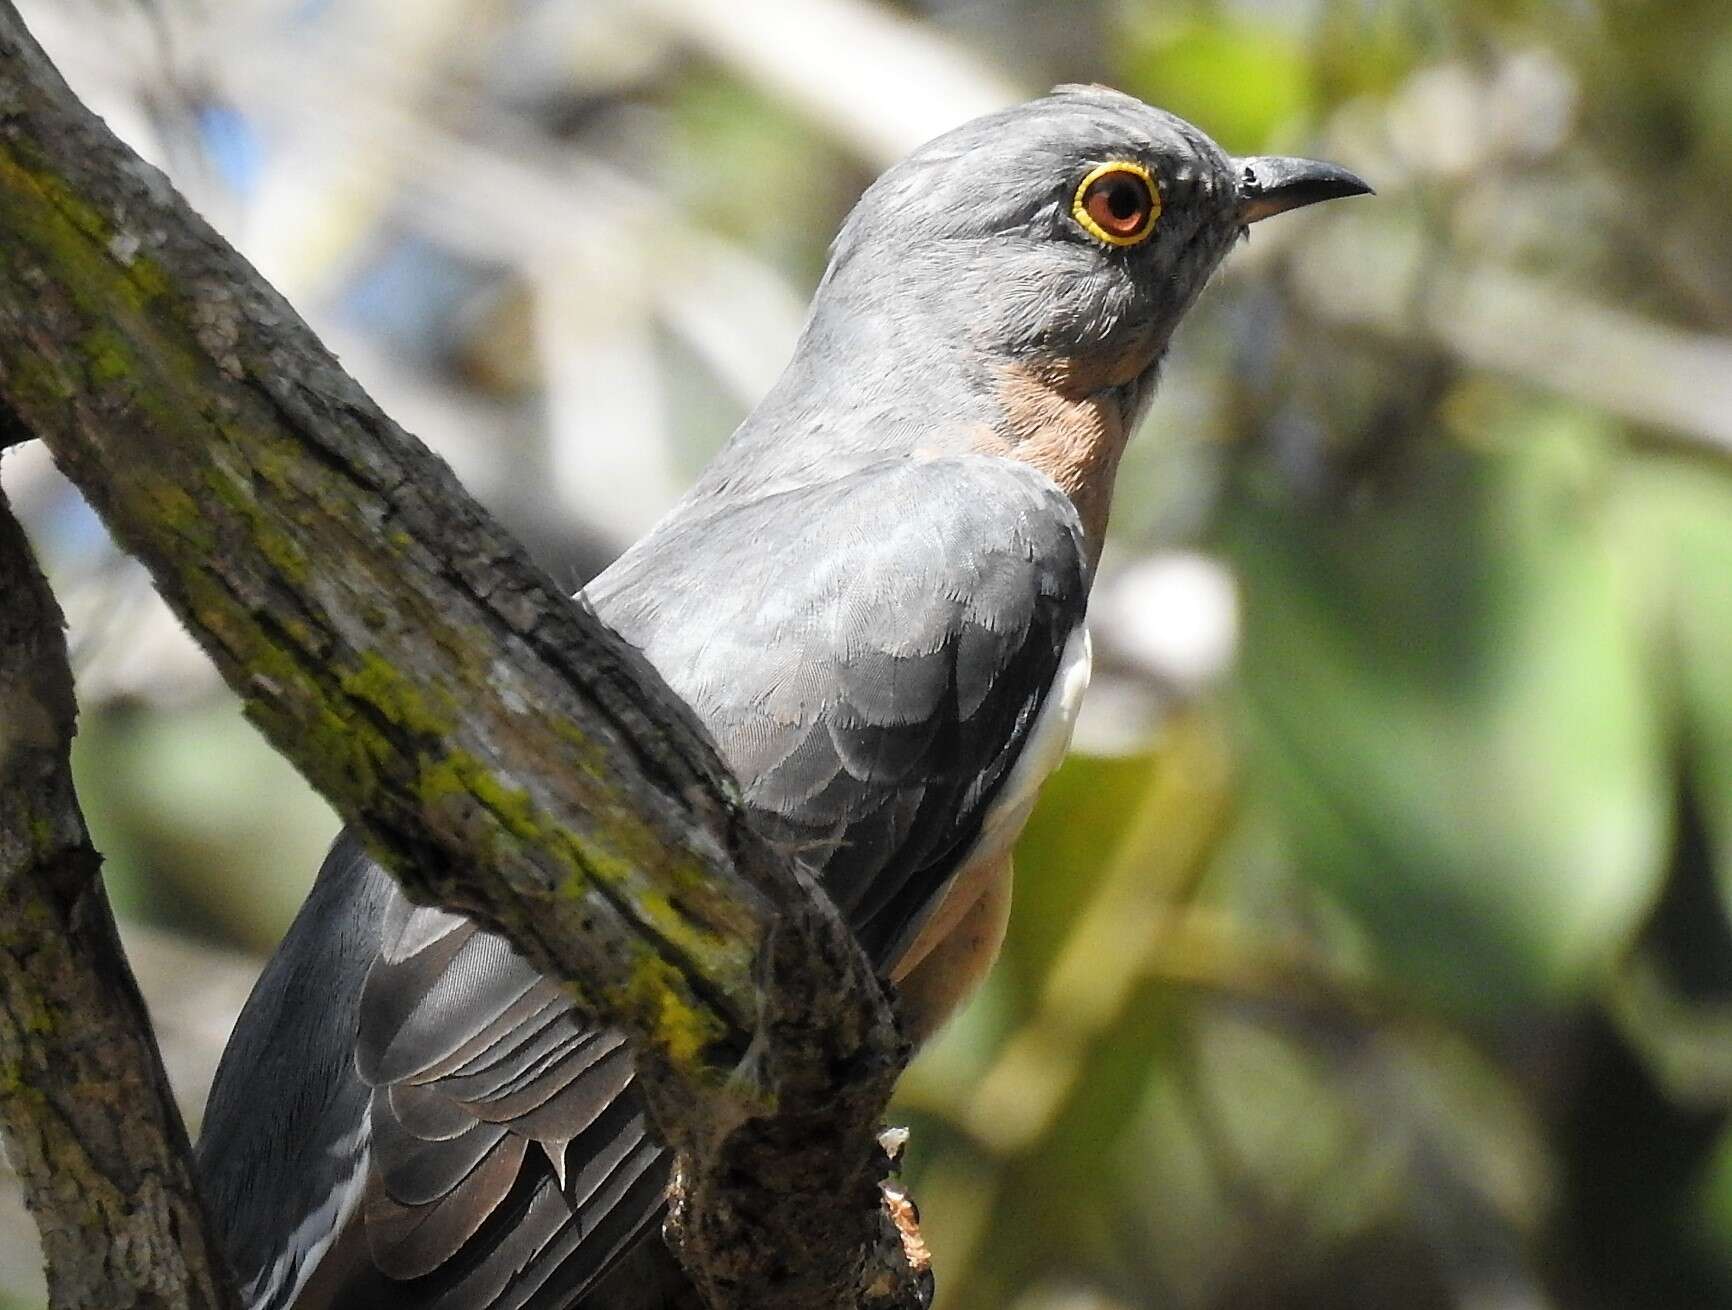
x: 89, y: 1121
x: 502, y: 751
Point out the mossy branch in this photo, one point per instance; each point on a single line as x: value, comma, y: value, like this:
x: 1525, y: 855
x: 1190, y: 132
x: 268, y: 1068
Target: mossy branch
x: 85, y: 1106
x: 502, y: 751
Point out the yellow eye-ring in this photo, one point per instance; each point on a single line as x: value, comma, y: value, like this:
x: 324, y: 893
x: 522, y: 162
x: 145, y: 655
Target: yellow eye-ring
x: 1118, y: 202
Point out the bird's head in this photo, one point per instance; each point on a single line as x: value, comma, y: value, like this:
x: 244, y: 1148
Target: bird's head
x: 1021, y: 266
x: 1080, y: 226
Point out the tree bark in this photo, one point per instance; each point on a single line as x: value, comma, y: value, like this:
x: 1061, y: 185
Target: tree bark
x: 90, y: 1124
x: 504, y: 754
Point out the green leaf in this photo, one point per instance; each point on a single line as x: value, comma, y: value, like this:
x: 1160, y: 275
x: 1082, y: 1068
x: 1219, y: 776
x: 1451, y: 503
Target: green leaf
x: 1675, y: 524
x: 1443, y: 694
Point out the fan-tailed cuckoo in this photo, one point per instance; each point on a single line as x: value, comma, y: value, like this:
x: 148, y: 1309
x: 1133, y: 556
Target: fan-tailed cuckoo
x: 874, y: 599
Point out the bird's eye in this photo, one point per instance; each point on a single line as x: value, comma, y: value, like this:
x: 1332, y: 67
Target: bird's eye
x: 1118, y: 203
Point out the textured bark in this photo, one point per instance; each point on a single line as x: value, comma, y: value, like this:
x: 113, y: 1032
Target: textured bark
x: 502, y: 751
x: 89, y: 1121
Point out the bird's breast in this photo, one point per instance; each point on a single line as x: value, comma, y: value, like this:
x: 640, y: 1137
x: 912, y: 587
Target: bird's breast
x: 1071, y: 422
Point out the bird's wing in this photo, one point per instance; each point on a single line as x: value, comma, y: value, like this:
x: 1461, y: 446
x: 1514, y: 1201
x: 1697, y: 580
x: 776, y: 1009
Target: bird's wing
x: 870, y: 655
x: 510, y: 1164
x: 283, y: 1148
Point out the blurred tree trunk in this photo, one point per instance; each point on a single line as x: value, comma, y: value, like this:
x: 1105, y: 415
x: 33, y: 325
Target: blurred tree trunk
x: 503, y: 752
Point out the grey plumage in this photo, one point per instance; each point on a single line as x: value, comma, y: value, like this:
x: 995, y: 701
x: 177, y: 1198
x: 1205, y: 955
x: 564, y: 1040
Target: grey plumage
x: 963, y: 256
x: 866, y: 599
x: 868, y: 652
x: 285, y: 1127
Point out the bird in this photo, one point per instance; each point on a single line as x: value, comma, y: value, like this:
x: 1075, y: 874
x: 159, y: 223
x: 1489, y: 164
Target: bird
x: 874, y: 599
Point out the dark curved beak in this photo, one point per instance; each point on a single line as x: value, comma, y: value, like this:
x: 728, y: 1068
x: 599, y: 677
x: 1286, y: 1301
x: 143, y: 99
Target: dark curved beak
x: 1273, y: 184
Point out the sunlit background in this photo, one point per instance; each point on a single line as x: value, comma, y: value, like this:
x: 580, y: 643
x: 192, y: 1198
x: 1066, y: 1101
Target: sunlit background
x: 1373, y: 949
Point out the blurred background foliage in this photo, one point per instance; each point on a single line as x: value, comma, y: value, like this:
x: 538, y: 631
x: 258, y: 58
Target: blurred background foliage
x: 1372, y: 950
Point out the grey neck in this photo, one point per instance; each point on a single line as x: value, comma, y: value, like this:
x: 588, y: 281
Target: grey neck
x: 878, y: 372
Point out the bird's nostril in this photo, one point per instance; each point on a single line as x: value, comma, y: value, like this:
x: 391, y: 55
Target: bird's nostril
x: 1274, y: 184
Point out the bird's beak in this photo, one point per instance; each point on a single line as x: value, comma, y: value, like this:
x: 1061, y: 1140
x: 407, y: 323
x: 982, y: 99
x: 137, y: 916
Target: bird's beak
x: 1273, y: 184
